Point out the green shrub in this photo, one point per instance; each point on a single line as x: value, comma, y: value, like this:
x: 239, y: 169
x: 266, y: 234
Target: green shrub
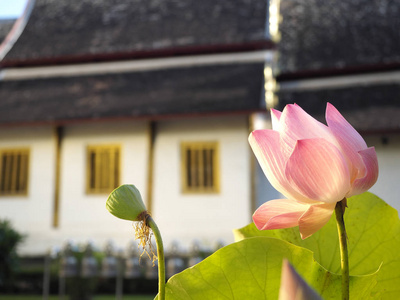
x: 9, y: 241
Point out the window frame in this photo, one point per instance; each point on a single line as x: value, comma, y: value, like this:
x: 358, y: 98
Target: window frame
x: 25, y: 171
x: 113, y: 166
x: 199, y: 168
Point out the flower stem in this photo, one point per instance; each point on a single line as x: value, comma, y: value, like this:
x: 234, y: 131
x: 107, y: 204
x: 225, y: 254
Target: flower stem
x: 160, y: 255
x: 339, y: 211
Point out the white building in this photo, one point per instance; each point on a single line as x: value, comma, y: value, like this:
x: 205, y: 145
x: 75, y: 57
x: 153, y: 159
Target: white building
x: 88, y: 103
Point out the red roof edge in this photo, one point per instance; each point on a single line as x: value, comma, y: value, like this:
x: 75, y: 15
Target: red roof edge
x: 159, y: 53
x: 129, y: 118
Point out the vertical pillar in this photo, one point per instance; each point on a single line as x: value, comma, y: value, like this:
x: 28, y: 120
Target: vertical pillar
x: 58, y: 132
x: 151, y: 134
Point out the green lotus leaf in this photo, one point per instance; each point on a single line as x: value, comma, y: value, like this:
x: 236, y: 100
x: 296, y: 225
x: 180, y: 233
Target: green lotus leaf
x: 251, y: 269
x: 373, y: 230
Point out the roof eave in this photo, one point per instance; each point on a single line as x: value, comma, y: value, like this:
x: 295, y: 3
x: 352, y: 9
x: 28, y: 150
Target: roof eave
x: 162, y: 117
x: 335, y: 72
x: 264, y: 44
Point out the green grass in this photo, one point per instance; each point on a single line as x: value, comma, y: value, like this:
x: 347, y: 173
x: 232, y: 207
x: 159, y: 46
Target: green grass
x: 56, y: 297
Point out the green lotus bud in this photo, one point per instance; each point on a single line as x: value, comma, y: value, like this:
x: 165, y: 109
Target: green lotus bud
x: 125, y: 202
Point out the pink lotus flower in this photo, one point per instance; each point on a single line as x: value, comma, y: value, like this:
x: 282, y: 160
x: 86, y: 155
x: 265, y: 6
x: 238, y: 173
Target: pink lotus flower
x: 313, y: 165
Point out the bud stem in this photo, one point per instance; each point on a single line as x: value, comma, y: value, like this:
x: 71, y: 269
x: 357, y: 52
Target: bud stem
x: 160, y: 255
x: 339, y: 212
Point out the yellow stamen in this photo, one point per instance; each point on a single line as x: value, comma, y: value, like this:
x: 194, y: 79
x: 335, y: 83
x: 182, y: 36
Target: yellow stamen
x: 143, y: 233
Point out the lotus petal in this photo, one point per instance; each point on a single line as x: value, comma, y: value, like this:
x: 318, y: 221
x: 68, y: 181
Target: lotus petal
x: 266, y: 147
x: 295, y: 124
x: 275, y: 116
x: 371, y: 173
x: 281, y: 213
x: 349, y: 140
x: 318, y: 171
x: 315, y: 218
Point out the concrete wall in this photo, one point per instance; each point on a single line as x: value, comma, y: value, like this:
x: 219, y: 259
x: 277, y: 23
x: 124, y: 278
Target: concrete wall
x: 82, y: 215
x: 182, y: 217
x: 32, y: 214
x: 206, y: 217
x: 388, y: 151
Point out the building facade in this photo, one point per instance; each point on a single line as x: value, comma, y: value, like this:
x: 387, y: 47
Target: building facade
x: 96, y: 95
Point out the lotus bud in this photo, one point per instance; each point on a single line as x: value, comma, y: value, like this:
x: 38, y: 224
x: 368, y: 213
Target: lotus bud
x: 125, y: 202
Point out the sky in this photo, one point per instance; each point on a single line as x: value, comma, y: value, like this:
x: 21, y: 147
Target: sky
x: 11, y: 8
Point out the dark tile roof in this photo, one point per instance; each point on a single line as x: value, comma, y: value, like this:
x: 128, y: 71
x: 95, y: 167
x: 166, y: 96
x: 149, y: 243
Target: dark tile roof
x: 61, y: 29
x: 337, y: 34
x: 370, y: 109
x: 235, y: 88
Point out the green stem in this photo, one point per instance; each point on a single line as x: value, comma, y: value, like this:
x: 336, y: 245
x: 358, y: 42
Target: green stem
x: 160, y: 255
x: 339, y: 211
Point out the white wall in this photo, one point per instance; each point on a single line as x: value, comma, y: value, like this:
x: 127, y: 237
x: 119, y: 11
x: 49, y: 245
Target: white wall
x: 84, y: 216
x: 32, y: 214
x: 206, y: 217
x: 183, y: 217
x: 388, y: 185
